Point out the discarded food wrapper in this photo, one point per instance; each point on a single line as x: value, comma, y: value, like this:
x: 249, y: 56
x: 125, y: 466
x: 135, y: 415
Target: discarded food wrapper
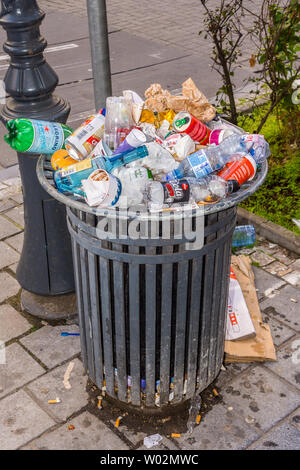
x: 71, y: 427
x: 175, y: 434
x: 151, y: 441
x: 261, y: 347
x: 101, y: 188
x: 137, y: 104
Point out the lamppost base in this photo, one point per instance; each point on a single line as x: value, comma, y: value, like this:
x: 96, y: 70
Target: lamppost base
x: 58, y: 307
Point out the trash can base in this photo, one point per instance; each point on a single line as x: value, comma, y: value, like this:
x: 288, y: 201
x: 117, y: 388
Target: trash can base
x: 58, y: 307
x: 164, y: 411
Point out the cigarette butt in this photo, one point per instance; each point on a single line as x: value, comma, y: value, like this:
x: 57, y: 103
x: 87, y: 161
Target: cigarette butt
x: 215, y: 393
x: 174, y: 434
x: 71, y: 427
x: 99, y: 405
x: 198, y: 419
x: 117, y: 423
x: 51, y: 402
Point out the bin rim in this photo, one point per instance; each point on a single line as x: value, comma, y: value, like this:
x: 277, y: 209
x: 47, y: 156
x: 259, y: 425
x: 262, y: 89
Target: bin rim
x: 45, y: 177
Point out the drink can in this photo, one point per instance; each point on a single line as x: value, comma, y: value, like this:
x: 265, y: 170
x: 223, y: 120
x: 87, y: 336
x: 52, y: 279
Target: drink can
x: 184, y: 122
x: 241, y: 170
x: 83, y: 140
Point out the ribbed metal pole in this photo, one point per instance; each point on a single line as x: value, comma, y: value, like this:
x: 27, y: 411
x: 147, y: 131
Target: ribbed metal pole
x: 100, y: 50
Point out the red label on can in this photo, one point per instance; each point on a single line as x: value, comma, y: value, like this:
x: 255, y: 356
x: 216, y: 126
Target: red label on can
x: 198, y: 131
x: 241, y: 171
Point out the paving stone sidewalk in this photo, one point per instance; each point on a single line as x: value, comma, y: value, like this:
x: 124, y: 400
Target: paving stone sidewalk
x: 258, y: 403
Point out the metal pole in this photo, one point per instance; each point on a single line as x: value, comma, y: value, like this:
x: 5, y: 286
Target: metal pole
x: 100, y: 51
x: 45, y: 269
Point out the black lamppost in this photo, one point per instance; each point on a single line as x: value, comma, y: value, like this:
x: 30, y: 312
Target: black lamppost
x: 45, y: 268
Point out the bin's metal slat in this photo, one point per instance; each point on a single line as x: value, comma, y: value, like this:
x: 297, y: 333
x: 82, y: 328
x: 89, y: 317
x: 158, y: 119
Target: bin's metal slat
x: 215, y: 335
x: 107, y: 325
x: 166, y: 314
x: 223, y: 303
x: 95, y: 317
x: 119, y: 318
x: 86, y: 305
x: 194, y: 326
x: 205, y: 318
x: 134, y: 329
x: 181, y: 313
x: 81, y: 319
x: 150, y: 336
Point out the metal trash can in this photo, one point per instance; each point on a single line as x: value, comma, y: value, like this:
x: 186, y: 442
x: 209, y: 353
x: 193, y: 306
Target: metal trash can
x: 151, y: 311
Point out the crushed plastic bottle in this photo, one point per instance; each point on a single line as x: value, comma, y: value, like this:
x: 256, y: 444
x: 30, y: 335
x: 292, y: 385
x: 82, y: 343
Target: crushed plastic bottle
x: 243, y: 235
x: 203, y: 162
x: 68, y: 179
x: 159, y: 160
x: 159, y: 195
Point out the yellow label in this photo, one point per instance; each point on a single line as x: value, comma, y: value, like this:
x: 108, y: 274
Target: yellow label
x: 83, y: 165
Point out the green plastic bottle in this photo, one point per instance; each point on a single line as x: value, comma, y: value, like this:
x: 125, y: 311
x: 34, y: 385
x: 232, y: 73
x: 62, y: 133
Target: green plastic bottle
x: 34, y: 136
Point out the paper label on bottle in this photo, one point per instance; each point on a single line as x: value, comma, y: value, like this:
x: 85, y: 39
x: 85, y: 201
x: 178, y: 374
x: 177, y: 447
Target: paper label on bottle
x: 48, y: 137
x: 200, y: 164
x: 82, y: 165
x: 176, y: 191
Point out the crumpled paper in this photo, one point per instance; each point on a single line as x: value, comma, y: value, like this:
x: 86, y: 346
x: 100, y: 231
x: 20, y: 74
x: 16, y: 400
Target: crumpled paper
x: 192, y: 100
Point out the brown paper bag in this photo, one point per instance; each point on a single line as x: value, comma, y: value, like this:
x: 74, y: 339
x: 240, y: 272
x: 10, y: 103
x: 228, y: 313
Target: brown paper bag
x: 261, y: 347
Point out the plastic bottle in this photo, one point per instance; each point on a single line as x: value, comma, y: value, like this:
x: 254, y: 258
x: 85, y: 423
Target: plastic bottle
x: 118, y: 121
x: 134, y: 182
x: 159, y: 195
x: 205, y: 161
x: 34, y: 136
x: 243, y: 235
x: 69, y: 179
x: 159, y: 160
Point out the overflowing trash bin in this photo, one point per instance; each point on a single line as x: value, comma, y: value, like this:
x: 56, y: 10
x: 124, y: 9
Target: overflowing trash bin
x: 151, y: 189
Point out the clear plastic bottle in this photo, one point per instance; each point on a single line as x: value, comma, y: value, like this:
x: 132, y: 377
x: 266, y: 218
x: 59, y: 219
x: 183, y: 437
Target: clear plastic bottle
x: 159, y: 195
x: 118, y: 121
x: 203, y: 162
x: 243, y: 235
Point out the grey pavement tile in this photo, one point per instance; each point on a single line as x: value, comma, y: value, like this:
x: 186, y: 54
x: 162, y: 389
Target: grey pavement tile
x: 51, y: 385
x: 265, y: 283
x: 282, y: 437
x: 18, y: 198
x: 13, y: 267
x: 260, y: 398
x: 293, y: 278
x: 8, y: 286
x: 50, y: 347
x: 17, y: 215
x: 12, y: 323
x: 6, y: 204
x: 288, y: 362
x: 21, y: 420
x: 219, y: 429
x: 16, y: 241
x: 277, y: 268
x: 261, y: 258
x: 281, y: 307
x: 7, y: 228
x: 89, y: 433
x: 283, y: 257
x: 7, y: 255
x: 280, y: 332
x: 19, y: 369
x: 295, y: 265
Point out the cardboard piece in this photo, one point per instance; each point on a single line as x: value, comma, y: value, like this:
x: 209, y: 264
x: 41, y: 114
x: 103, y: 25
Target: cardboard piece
x: 261, y: 347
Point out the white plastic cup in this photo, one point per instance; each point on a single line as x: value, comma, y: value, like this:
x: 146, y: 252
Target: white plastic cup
x: 134, y: 139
